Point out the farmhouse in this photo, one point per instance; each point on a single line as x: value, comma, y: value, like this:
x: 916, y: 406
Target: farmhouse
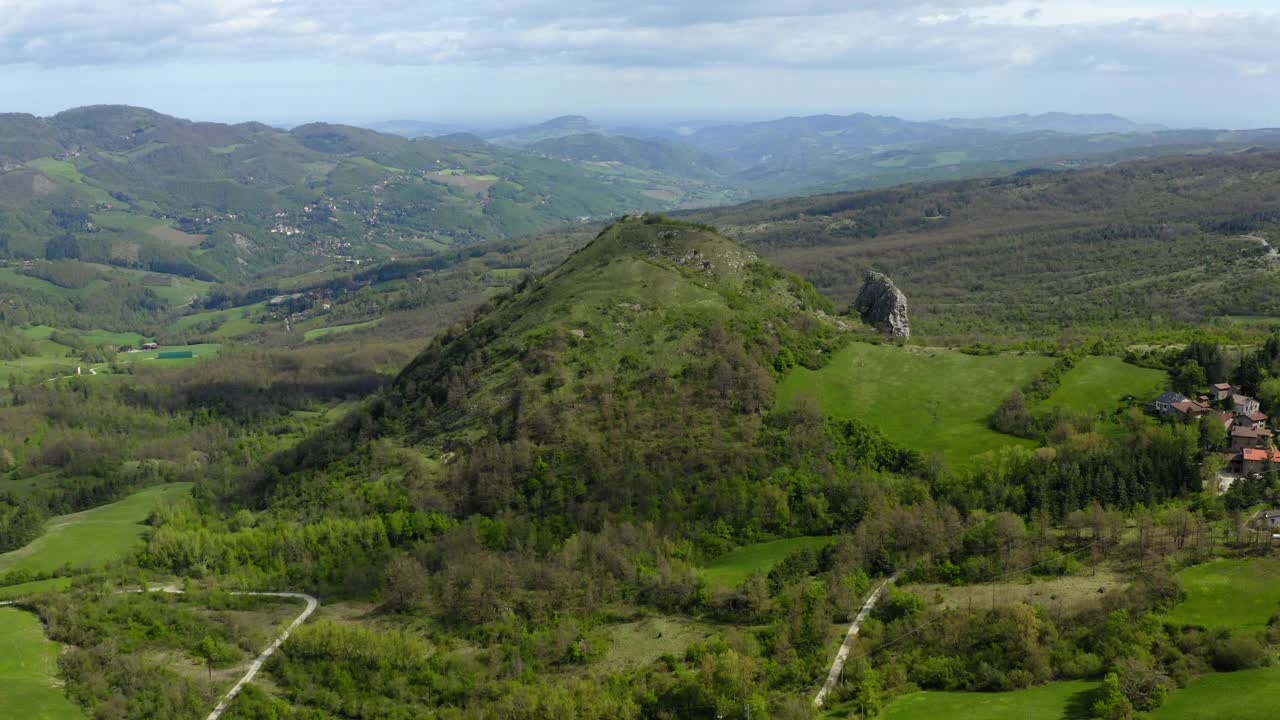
x: 1254, y: 420
x: 1222, y: 391
x: 1266, y: 519
x: 1254, y: 461
x: 1247, y: 437
x: 1163, y: 405
x: 150, y: 346
x: 1189, y: 409
x: 1244, y: 405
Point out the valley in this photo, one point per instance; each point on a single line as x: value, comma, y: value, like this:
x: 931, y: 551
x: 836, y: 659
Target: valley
x: 585, y: 459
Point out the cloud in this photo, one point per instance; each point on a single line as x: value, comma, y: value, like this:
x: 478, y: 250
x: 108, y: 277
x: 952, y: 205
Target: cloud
x: 940, y: 35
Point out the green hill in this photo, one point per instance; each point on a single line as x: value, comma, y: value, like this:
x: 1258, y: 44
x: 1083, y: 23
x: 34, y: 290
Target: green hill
x: 649, y: 356
x: 209, y: 200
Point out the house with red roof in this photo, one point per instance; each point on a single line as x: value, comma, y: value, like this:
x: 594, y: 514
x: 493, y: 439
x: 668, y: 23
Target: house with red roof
x: 1254, y: 460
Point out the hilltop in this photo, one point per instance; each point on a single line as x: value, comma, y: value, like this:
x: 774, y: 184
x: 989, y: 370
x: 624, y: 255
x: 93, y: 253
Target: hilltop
x: 635, y: 372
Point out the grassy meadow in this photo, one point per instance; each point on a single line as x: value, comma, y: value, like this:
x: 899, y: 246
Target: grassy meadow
x: 29, y: 686
x: 1231, y: 594
x: 1100, y: 384
x: 1243, y: 695
x: 1055, y: 701
x: 925, y: 399
x: 94, y: 537
x: 730, y: 569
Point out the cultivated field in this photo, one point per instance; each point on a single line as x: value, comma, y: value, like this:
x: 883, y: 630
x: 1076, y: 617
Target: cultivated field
x: 94, y: 537
x: 925, y: 399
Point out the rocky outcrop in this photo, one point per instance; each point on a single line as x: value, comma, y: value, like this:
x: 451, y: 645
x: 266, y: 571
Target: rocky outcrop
x: 882, y: 305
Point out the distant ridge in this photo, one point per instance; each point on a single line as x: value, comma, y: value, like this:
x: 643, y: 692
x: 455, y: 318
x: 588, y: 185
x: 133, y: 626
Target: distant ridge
x: 1075, y: 124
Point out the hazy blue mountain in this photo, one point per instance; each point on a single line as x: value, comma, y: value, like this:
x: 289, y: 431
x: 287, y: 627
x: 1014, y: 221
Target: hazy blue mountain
x: 1053, y: 121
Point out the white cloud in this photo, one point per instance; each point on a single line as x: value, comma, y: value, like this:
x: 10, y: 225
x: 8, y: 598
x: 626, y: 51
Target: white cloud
x: 944, y: 35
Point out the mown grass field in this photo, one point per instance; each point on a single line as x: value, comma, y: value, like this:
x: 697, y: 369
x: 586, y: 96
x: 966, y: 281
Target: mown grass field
x: 29, y: 687
x: 1244, y: 695
x: 1056, y: 701
x: 1100, y: 384
x: 926, y: 399
x: 21, y: 590
x: 730, y: 569
x: 1231, y: 594
x: 94, y: 537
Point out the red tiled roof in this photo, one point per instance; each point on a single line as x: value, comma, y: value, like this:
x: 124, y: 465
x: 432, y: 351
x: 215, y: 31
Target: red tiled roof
x: 1256, y: 454
x: 1257, y: 417
x: 1222, y: 386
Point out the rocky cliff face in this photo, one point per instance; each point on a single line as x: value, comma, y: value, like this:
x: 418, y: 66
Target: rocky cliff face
x: 882, y: 305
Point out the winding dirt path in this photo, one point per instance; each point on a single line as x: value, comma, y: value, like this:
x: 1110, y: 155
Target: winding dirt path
x: 256, y: 665
x: 843, y: 654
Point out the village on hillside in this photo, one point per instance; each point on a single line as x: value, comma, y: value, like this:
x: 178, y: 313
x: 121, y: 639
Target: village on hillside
x: 1251, y: 449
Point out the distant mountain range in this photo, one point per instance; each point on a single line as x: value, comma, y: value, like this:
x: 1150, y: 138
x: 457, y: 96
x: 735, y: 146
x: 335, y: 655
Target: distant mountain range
x: 1053, y: 122
x: 833, y: 152
x: 134, y: 188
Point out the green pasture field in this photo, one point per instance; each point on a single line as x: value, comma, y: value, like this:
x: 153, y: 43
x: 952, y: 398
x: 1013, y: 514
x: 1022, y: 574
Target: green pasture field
x: 145, y: 358
x: 29, y: 685
x: 735, y: 566
x: 1069, y: 700
x: 1231, y: 594
x: 1100, y: 384
x: 21, y: 590
x: 923, y: 398
x: 94, y: 537
x: 230, y: 323
x: 1243, y: 695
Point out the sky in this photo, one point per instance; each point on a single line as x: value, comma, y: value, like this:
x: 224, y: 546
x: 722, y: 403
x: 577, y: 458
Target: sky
x: 492, y: 62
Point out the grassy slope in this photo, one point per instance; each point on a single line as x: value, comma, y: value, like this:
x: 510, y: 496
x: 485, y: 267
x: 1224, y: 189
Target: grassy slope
x: 898, y: 391
x: 1099, y: 384
x: 1233, y: 594
x: 316, y: 333
x: 730, y: 569
x: 29, y: 687
x: 93, y: 537
x: 1065, y: 700
x: 1245, y: 695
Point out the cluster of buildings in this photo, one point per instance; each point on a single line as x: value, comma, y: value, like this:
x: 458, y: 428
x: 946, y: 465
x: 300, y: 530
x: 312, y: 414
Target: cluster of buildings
x: 1252, y: 448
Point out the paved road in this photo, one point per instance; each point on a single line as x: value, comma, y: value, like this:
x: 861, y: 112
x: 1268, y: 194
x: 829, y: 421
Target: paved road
x: 849, y: 637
